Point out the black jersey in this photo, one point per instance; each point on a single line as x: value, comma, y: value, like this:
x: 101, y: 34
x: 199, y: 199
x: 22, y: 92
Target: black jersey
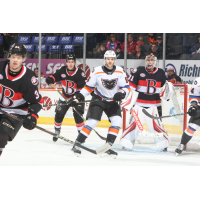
x: 148, y: 85
x: 174, y: 79
x: 70, y: 82
x: 19, y: 93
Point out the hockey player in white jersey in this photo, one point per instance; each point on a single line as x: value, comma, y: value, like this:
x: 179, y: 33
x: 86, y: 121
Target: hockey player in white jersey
x: 107, y: 81
x: 194, y: 122
x: 146, y: 82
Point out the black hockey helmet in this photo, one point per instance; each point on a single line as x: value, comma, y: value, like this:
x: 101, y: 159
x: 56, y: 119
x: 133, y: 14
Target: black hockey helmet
x: 18, y: 49
x: 70, y: 57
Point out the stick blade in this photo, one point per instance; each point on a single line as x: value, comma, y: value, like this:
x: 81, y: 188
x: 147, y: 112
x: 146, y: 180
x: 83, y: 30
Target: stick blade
x: 149, y: 115
x: 103, y: 149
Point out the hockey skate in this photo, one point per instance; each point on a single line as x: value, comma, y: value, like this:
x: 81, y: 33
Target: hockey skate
x: 112, y: 153
x: 165, y: 149
x: 76, y: 150
x: 179, y: 149
x: 57, y: 132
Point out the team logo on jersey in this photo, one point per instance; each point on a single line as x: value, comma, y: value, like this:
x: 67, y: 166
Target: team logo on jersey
x: 83, y: 74
x: 109, y: 84
x: 63, y: 75
x: 34, y: 80
x: 1, y: 76
x: 6, y: 96
x: 142, y: 75
x: 134, y: 70
x: 195, y: 82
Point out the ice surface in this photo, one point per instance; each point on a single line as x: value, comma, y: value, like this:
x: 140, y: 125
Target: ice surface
x: 36, y: 148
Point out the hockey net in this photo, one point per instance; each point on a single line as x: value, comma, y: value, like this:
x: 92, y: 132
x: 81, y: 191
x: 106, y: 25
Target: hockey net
x: 173, y: 125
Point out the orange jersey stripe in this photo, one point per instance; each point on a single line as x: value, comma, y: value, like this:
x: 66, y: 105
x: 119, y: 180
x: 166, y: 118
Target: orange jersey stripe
x: 198, y: 99
x: 87, y: 131
x: 100, y: 73
x: 118, y: 72
x: 88, y: 89
x: 113, y: 130
x: 189, y: 130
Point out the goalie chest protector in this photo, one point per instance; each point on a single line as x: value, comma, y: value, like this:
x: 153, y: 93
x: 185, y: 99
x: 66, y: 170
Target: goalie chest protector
x: 148, y: 84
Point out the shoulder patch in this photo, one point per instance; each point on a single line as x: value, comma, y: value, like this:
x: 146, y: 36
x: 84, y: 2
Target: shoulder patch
x: 142, y: 75
x: 34, y: 80
x: 63, y: 75
x: 1, y: 76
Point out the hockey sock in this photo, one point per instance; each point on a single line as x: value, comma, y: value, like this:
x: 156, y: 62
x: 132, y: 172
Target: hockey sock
x: 111, y: 139
x: 185, y: 138
x: 57, y: 125
x: 79, y: 126
x: 81, y: 138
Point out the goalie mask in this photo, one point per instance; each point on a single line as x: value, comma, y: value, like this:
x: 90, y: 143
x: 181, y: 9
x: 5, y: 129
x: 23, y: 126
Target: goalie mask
x: 18, y: 49
x: 150, y: 62
x: 109, y: 54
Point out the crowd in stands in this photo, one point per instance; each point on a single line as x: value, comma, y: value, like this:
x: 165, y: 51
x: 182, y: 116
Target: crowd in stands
x: 183, y: 46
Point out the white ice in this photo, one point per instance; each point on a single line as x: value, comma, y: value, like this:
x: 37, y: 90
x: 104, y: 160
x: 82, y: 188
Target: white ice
x: 36, y: 148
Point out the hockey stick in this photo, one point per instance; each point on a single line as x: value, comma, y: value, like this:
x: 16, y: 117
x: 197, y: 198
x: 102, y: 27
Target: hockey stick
x: 100, y: 150
x: 103, y: 138
x: 153, y: 117
x: 78, y: 102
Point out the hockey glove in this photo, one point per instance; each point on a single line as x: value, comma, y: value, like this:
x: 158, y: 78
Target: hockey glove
x: 30, y: 121
x: 78, y: 97
x: 192, y: 110
x: 119, y: 96
x: 49, y: 80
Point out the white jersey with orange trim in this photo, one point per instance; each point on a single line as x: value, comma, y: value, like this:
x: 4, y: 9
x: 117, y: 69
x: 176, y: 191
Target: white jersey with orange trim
x: 106, y: 83
x: 194, y: 94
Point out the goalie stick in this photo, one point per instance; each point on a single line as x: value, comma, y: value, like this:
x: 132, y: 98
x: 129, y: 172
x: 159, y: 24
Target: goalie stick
x: 153, y: 117
x: 103, y: 138
x: 100, y: 150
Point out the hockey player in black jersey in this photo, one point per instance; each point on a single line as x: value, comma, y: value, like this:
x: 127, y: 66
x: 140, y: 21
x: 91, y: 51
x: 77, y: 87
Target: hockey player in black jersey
x: 73, y: 80
x: 147, y: 82
x: 19, y: 95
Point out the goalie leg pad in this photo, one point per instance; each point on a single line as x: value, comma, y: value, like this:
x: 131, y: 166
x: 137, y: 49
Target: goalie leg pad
x: 131, y: 132
x: 155, y: 126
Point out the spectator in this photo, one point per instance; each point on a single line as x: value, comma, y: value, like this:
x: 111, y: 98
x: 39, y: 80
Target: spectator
x: 195, y: 49
x: 155, y: 52
x: 172, y: 77
x: 42, y: 77
x: 113, y: 43
x: 121, y: 37
x: 100, y: 52
x: 159, y: 44
x: 140, y: 41
x: 119, y: 53
x: 152, y: 38
x: 139, y: 54
x: 131, y: 44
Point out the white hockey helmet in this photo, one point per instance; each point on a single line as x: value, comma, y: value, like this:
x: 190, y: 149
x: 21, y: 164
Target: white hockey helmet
x: 170, y: 68
x: 109, y: 54
x: 151, y: 56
